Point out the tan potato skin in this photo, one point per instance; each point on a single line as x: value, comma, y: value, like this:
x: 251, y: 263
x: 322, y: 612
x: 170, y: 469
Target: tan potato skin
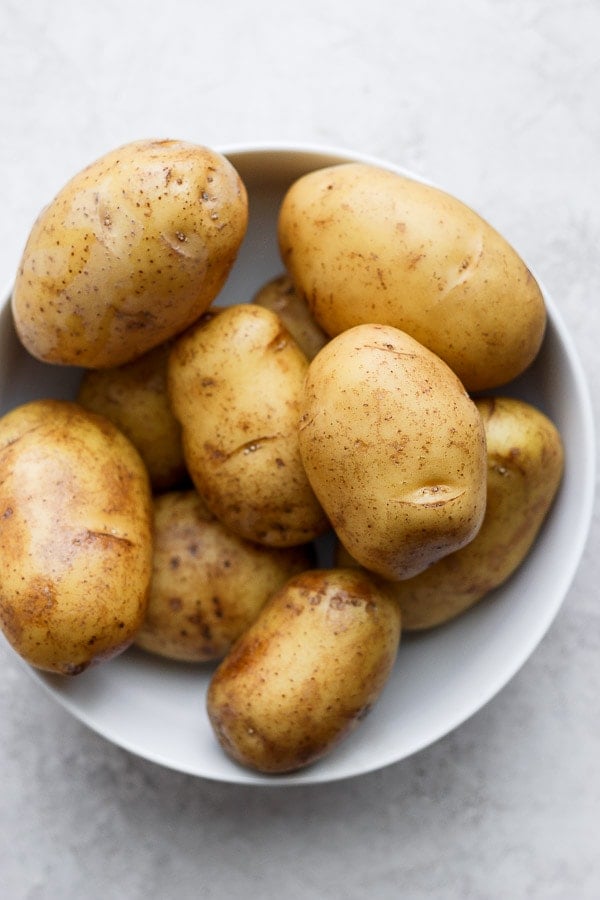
x: 280, y: 295
x: 525, y: 467
x: 394, y: 449
x: 134, y: 397
x: 130, y: 252
x: 306, y: 672
x: 75, y: 536
x: 363, y: 244
x: 208, y: 584
x: 235, y: 381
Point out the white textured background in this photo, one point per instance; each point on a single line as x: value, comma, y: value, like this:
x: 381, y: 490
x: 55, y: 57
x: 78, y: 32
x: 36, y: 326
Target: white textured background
x: 499, y: 102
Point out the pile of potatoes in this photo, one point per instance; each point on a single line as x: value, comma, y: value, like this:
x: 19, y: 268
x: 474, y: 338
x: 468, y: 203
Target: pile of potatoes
x: 177, y: 502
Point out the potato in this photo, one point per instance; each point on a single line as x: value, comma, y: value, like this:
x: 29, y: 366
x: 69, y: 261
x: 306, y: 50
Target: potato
x: 130, y: 252
x: 394, y: 449
x: 235, y: 381
x: 306, y: 672
x: 134, y: 396
x: 525, y: 466
x: 208, y: 584
x: 76, y: 536
x: 280, y: 295
x: 367, y: 245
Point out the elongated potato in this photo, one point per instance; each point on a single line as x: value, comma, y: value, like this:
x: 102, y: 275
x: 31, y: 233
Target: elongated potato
x: 367, y: 245
x: 75, y: 539
x: 525, y: 466
x: 235, y: 382
x: 130, y: 252
x: 208, y: 584
x: 394, y: 449
x: 306, y: 672
x: 134, y: 396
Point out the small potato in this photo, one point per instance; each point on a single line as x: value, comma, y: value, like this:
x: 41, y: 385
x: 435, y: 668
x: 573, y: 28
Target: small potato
x: 75, y: 538
x: 280, y: 295
x: 208, y: 584
x: 130, y: 252
x: 235, y: 381
x: 394, y: 449
x: 525, y: 466
x: 367, y: 245
x: 306, y: 672
x: 134, y: 396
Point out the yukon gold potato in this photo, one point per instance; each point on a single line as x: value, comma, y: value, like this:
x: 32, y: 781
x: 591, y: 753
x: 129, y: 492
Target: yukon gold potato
x: 280, y: 295
x: 208, y: 584
x: 235, y: 382
x: 306, y: 672
x: 129, y: 253
x: 75, y: 538
x: 363, y: 244
x: 134, y: 396
x: 525, y: 466
x: 394, y: 449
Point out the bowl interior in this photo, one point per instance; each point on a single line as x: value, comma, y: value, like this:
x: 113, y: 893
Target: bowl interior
x: 155, y: 709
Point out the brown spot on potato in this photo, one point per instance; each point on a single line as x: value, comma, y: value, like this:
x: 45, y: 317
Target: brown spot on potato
x: 294, y: 608
x: 39, y: 600
x: 217, y: 605
x: 215, y: 453
x: 74, y: 668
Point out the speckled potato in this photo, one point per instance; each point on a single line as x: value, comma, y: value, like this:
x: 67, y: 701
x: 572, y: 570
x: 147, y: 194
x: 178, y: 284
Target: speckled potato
x: 235, y: 381
x: 130, y: 252
x: 134, y: 396
x: 280, y: 295
x: 208, y: 584
x: 306, y: 672
x: 75, y: 536
x: 525, y: 466
x: 364, y: 244
x: 394, y: 449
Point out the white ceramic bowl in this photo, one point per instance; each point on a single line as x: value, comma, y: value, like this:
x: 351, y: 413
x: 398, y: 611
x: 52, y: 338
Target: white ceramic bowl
x: 156, y: 709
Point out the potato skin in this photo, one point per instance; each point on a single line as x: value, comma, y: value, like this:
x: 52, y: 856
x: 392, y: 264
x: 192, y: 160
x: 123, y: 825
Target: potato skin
x: 525, y: 467
x: 235, y: 380
x: 280, y: 295
x: 75, y: 536
x: 394, y: 449
x: 130, y: 252
x: 306, y: 672
x: 208, y: 584
x: 134, y: 397
x: 364, y: 244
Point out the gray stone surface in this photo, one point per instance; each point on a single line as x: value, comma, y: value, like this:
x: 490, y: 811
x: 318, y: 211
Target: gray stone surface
x: 500, y: 103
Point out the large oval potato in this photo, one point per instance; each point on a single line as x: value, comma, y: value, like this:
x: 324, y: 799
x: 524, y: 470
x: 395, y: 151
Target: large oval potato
x: 208, y: 584
x: 134, y: 397
x: 280, y: 295
x: 235, y: 381
x: 364, y: 244
x: 525, y: 466
x: 130, y: 252
x: 306, y: 672
x: 75, y: 536
x: 394, y: 449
